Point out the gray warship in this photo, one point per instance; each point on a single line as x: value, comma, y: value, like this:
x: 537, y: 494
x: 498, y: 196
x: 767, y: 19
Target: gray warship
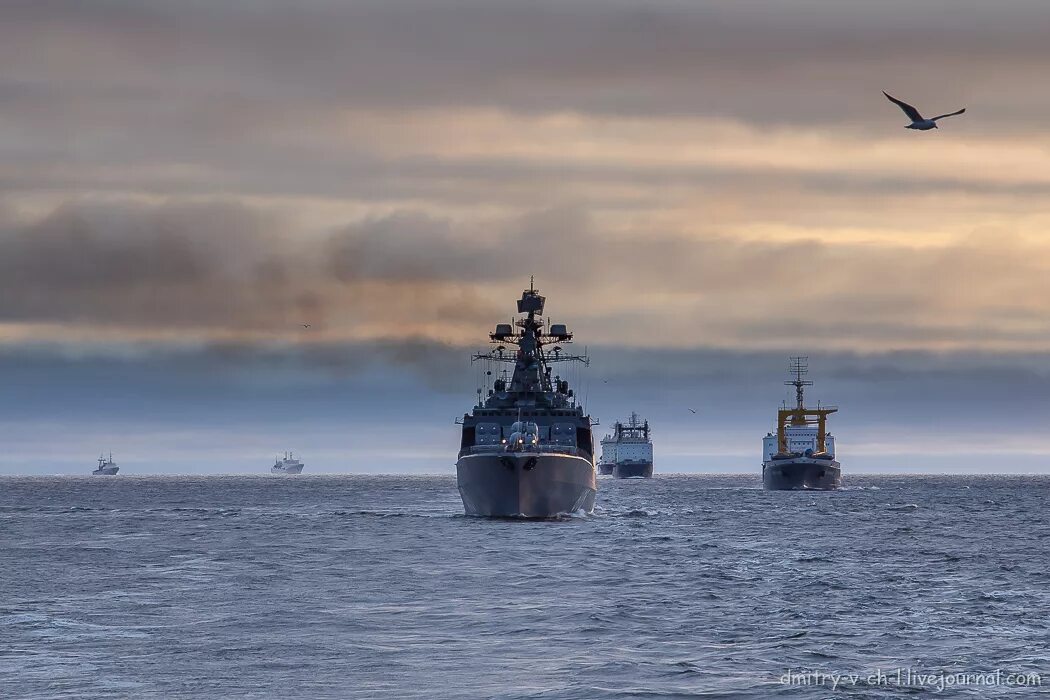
x: 526, y: 448
x: 801, y: 455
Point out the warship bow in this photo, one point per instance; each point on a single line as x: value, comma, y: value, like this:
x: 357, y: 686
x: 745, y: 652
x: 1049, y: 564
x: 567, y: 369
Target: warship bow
x: 526, y: 448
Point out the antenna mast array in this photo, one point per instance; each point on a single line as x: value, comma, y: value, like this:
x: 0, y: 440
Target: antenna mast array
x: 799, y: 367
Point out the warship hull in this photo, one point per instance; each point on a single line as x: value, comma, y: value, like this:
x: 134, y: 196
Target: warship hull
x: 633, y: 470
x: 605, y: 469
x: 801, y: 474
x: 525, y: 485
x: 106, y: 471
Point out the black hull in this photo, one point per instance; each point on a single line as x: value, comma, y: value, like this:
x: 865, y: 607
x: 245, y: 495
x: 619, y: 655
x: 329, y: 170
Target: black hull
x: 605, y: 469
x: 525, y: 485
x: 633, y: 470
x: 801, y: 475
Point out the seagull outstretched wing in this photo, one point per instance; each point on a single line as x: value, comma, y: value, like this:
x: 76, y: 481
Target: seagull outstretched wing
x: 912, y: 113
x: 950, y: 114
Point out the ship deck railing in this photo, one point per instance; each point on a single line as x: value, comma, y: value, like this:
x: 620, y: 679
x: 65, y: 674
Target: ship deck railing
x: 541, y: 449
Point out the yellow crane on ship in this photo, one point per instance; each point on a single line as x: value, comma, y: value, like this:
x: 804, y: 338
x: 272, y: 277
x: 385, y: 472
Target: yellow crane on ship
x: 800, y: 415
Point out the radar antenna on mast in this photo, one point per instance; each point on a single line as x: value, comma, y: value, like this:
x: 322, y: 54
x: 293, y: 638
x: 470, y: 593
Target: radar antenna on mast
x: 799, y: 367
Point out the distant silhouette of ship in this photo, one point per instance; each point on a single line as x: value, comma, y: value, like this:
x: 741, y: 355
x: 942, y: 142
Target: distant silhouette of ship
x: 106, y: 467
x: 287, y: 465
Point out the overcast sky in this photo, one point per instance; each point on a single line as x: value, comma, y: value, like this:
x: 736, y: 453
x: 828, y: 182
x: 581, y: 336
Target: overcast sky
x: 700, y: 188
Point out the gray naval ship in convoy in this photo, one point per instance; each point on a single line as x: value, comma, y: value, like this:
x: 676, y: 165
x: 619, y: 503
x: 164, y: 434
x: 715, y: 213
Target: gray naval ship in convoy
x: 287, y: 465
x: 801, y: 455
x: 627, y: 452
x: 526, y: 448
x: 106, y: 467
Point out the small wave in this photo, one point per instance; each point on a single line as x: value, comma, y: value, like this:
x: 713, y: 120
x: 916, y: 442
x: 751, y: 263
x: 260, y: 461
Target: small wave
x: 637, y: 513
x: 906, y: 508
x: 393, y: 514
x: 210, y: 512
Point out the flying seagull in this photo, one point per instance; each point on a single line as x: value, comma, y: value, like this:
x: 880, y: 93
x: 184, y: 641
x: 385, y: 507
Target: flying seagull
x: 917, y: 120
x: 692, y: 410
x: 306, y: 325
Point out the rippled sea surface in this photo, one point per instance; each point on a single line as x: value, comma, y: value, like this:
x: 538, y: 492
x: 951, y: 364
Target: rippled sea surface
x: 378, y: 587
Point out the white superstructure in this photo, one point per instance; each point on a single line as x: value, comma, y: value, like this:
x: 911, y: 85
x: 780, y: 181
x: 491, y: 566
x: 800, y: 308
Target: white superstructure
x: 628, y: 442
x: 287, y: 465
x: 799, y: 440
x: 631, y: 450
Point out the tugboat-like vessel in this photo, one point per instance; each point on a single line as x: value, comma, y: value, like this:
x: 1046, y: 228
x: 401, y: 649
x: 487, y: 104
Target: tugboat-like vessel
x: 526, y: 449
x: 627, y: 452
x: 802, y: 453
x: 106, y: 467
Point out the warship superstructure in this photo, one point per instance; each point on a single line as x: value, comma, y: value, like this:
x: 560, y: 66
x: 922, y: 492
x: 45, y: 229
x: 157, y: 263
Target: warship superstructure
x: 106, y: 466
x: 287, y: 465
x: 627, y: 452
x: 801, y: 454
x: 526, y: 449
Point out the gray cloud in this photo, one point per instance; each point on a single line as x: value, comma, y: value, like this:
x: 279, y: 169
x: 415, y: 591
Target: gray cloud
x: 220, y: 269
x: 190, y: 99
x: 177, y: 265
x: 723, y: 58
x: 223, y: 267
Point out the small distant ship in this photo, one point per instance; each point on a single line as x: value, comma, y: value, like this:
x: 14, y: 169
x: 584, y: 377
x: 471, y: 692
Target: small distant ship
x: 526, y: 450
x: 801, y: 455
x: 627, y: 453
x: 106, y: 466
x: 287, y: 465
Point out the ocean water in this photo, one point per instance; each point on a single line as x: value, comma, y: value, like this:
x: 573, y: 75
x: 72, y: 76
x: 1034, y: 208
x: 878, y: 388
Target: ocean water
x: 378, y: 587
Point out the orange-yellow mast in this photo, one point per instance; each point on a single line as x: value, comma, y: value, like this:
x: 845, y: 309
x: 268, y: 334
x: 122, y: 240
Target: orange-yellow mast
x: 800, y: 415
